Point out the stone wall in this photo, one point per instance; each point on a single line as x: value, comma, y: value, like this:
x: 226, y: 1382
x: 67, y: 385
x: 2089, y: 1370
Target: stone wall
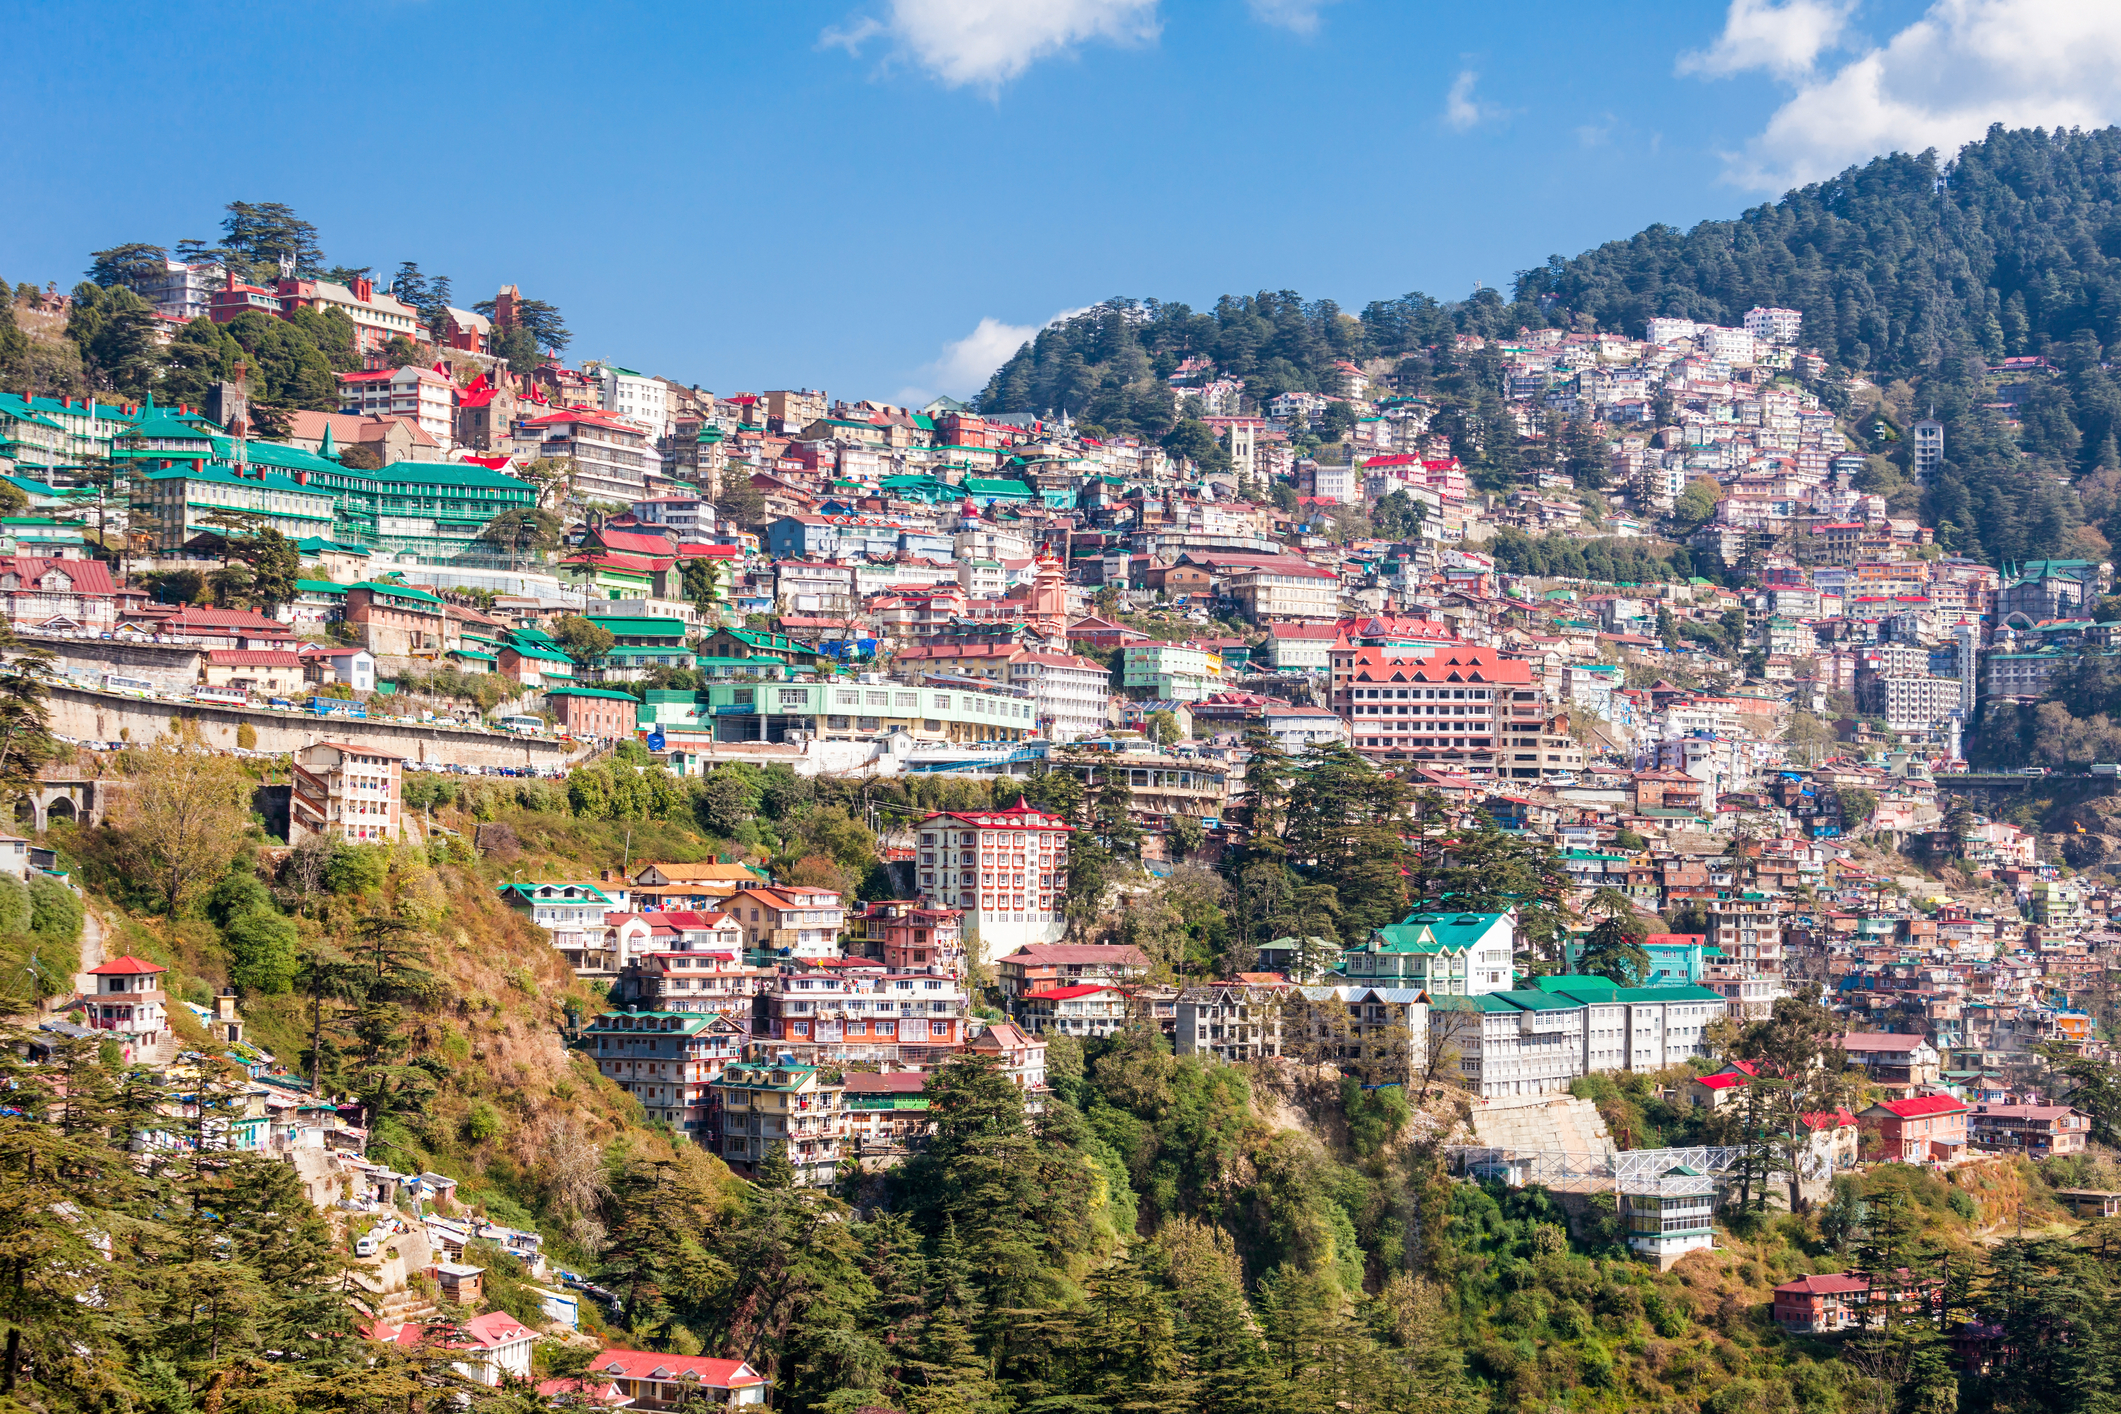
x: 103, y: 716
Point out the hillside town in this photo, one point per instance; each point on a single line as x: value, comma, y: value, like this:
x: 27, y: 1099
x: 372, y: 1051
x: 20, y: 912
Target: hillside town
x: 1721, y: 695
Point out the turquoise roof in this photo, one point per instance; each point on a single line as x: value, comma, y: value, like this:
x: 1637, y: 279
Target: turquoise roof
x: 275, y: 454
x: 396, y: 591
x: 1532, y: 999
x: 589, y: 692
x: 1486, y: 1002
x: 319, y: 586
x: 221, y: 475
x: 1435, y: 932
x: 640, y: 627
x: 1667, y: 994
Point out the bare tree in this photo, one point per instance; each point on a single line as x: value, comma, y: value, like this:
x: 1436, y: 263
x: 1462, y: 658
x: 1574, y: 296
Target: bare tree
x: 183, y: 816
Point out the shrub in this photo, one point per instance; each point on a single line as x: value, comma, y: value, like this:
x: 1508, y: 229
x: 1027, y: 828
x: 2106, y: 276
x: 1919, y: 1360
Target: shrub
x: 14, y: 905
x: 54, y: 910
x: 483, y: 1123
x: 246, y: 737
x: 357, y: 868
x: 240, y: 892
x: 265, y: 952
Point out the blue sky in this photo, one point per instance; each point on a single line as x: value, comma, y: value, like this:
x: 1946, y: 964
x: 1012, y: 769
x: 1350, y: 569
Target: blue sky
x: 879, y: 197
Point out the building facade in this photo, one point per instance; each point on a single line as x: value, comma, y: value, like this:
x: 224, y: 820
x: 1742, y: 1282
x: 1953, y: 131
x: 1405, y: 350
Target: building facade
x: 351, y: 792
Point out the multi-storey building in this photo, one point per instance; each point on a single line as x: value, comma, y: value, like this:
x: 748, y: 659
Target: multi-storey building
x: 1159, y: 788
x: 181, y: 291
x: 831, y: 1015
x: 611, y: 457
x: 1017, y: 1055
x: 668, y: 1061
x: 781, y: 1104
x: 789, y: 919
x: 174, y: 507
x: 62, y: 595
x: 1461, y: 954
x: 1919, y: 703
x: 1446, y: 710
x: 129, y: 1005
x: 185, y: 479
x: 1082, y: 1009
x: 841, y: 711
x: 663, y: 972
x: 1537, y: 1040
x: 377, y: 318
x: 635, y: 397
x: 908, y: 937
x: 1004, y: 869
x: 1168, y: 672
x: 350, y: 792
x: 1071, y: 693
x: 1232, y: 1021
x: 1046, y: 965
x: 2037, y: 1131
x: 422, y: 394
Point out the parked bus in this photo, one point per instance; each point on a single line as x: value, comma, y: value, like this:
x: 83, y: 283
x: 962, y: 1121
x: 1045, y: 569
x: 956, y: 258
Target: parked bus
x: 526, y: 726
x: 337, y: 707
x: 227, y: 696
x: 136, y: 687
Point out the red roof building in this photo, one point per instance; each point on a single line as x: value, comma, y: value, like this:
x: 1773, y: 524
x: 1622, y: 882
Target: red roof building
x: 655, y: 1381
x: 1924, y: 1129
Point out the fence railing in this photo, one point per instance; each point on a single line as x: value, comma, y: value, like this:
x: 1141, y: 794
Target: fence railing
x: 1624, y: 1170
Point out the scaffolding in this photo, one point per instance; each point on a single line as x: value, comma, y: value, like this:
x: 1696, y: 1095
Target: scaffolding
x: 1616, y: 1171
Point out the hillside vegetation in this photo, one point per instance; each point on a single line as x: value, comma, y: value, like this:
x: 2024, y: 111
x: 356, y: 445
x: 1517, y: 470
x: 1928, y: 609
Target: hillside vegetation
x: 1912, y: 272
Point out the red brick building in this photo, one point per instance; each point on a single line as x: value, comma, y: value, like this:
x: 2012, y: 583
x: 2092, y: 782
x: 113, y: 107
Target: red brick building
x: 594, y: 712
x: 1836, y: 1301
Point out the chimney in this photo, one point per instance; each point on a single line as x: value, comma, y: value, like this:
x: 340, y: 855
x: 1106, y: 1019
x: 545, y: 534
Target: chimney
x: 364, y: 289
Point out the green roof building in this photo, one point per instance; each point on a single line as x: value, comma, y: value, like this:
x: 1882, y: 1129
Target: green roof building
x: 1445, y: 954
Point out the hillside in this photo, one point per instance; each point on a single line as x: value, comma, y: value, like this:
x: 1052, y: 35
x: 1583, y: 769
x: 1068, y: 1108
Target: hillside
x: 1913, y: 273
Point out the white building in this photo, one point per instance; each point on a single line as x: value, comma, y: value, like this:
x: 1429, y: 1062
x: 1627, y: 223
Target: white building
x: 1338, y: 482
x: 129, y: 1004
x: 1536, y: 1041
x: 1919, y: 702
x: 421, y: 394
x: 1071, y: 693
x: 688, y: 515
x: 182, y: 291
x: 1230, y: 1021
x: 1668, y: 1214
x: 636, y: 397
x: 1774, y: 326
x: 1004, y: 869
x: 1669, y: 331
x: 352, y: 792
x: 1734, y: 346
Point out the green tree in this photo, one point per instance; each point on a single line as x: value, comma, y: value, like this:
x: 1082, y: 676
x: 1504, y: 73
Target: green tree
x: 583, y: 640
x: 1193, y: 440
x: 1613, y: 948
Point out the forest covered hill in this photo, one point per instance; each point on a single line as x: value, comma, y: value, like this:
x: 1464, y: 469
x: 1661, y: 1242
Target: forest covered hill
x: 1913, y: 272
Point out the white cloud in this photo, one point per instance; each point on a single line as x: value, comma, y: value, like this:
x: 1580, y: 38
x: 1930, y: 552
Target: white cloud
x: 966, y: 364
x: 985, y: 43
x: 1296, y: 16
x: 1461, y: 110
x: 1785, y: 37
x: 1940, y: 83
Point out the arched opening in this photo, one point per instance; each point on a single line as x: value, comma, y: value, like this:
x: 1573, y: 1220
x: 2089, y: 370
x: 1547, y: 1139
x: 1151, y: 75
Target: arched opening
x: 25, y: 811
x: 61, y: 809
